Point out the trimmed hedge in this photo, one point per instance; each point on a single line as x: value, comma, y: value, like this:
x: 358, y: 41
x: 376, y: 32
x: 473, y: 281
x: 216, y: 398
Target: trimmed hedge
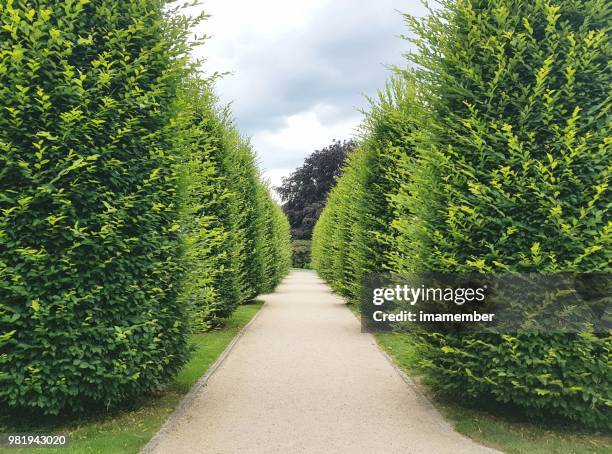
x: 236, y: 244
x: 276, y: 250
x: 212, y: 289
x: 353, y: 237
x: 131, y: 210
x: 334, y: 232
x: 89, y: 240
x: 507, y: 169
x: 518, y: 144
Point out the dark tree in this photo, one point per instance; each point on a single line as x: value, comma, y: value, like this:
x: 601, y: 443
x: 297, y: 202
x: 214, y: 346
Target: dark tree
x: 304, y: 192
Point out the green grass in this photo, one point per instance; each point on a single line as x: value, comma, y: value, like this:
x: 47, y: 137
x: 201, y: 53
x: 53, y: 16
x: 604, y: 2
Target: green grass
x: 509, y: 432
x: 128, y: 429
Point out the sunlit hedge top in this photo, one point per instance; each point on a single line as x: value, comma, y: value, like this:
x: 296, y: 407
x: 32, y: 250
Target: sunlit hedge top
x: 519, y: 138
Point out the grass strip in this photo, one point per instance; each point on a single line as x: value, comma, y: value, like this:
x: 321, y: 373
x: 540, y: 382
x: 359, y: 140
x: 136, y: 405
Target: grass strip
x: 128, y: 429
x: 491, y: 424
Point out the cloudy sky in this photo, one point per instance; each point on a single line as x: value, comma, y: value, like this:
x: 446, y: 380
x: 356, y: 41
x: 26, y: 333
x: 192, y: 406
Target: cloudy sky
x: 301, y: 68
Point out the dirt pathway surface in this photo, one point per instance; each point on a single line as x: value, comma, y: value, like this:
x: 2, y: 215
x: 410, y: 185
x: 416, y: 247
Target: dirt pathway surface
x: 303, y: 379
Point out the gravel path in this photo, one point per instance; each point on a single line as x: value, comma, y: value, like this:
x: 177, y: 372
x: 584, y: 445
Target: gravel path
x: 304, y: 379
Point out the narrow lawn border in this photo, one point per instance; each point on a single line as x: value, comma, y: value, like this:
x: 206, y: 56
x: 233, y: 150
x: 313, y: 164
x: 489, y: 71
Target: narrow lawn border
x: 454, y: 413
x: 506, y: 432
x: 410, y: 382
x: 188, y: 399
x: 420, y: 395
x: 131, y: 427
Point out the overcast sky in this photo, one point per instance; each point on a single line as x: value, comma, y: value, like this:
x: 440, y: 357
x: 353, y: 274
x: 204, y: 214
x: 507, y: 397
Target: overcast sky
x: 301, y: 68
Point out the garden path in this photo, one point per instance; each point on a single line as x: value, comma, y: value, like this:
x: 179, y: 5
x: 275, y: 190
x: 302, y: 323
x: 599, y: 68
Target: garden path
x: 303, y: 378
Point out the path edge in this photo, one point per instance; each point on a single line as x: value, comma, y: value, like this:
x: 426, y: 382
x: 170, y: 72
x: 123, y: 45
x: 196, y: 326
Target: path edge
x: 188, y: 399
x: 422, y: 397
x: 415, y: 388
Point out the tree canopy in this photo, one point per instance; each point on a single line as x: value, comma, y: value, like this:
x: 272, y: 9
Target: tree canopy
x: 304, y: 192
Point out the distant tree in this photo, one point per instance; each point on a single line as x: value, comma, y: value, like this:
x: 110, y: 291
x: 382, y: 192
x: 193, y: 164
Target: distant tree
x: 304, y: 192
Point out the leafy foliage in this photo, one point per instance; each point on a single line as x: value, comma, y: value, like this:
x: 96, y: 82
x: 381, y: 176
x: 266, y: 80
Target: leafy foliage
x: 353, y: 237
x: 277, y: 249
x: 236, y: 244
x: 304, y: 192
x: 131, y: 210
x: 300, y: 253
x: 506, y: 169
x: 89, y: 241
x: 519, y: 146
x: 210, y: 217
x: 519, y: 137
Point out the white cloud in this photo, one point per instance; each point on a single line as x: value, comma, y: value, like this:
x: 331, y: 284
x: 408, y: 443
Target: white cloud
x: 274, y: 178
x: 300, y: 135
x: 301, y: 68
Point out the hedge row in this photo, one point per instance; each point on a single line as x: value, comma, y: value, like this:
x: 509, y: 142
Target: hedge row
x: 352, y: 237
x: 129, y: 204
x: 237, y: 240
x: 493, y: 155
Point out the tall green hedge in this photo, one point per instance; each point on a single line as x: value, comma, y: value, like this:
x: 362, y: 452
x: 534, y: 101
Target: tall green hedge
x: 514, y: 177
x: 89, y: 240
x: 334, y: 233
x: 504, y: 166
x: 276, y: 248
x: 212, y: 289
x: 236, y: 242
x: 354, y: 236
x: 131, y: 209
x: 518, y: 138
